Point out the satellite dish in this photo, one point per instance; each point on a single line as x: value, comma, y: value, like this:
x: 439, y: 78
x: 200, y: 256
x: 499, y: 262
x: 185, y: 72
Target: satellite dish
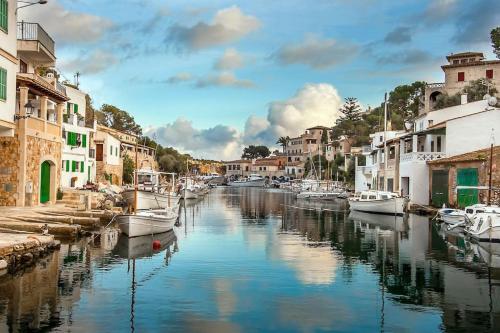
x: 492, y: 101
x: 486, y: 97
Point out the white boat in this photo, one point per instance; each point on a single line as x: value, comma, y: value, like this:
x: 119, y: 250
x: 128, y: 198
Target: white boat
x: 452, y: 216
x: 485, y: 227
x: 254, y: 180
x: 151, y: 200
x: 150, y: 194
x: 319, y: 195
x: 378, y: 202
x: 147, y: 222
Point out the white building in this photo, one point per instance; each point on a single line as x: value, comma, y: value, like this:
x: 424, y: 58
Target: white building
x: 108, y: 157
x: 78, y: 154
x: 371, y: 175
x: 8, y: 67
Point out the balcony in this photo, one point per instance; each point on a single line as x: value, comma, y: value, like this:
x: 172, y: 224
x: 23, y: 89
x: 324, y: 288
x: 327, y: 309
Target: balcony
x: 34, y: 44
x: 367, y: 170
x: 421, y: 156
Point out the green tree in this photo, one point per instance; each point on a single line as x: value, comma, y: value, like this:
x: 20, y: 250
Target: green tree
x: 324, y: 137
x: 495, y: 41
x: 404, y: 102
x: 283, y: 142
x: 128, y: 169
x: 349, y: 121
x: 111, y: 116
x: 253, y: 151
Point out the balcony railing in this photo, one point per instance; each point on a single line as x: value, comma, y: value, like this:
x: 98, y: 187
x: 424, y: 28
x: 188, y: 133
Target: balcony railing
x: 435, y: 85
x: 364, y: 169
x: 33, y: 31
x: 422, y: 156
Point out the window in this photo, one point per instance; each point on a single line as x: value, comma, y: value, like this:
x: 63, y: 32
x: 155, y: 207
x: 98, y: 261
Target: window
x: 110, y: 150
x: 372, y: 197
x: 3, y: 84
x: 23, y: 67
x: 229, y: 167
x: 4, y: 15
x: 238, y: 167
x: 489, y: 74
x: 461, y: 76
x: 463, y: 61
x: 456, y: 62
x: 364, y: 197
x: 62, y: 165
x: 116, y: 151
x: 438, y: 149
x: 432, y: 146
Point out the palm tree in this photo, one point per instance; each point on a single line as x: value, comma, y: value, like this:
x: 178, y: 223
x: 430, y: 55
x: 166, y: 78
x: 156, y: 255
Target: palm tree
x: 283, y: 141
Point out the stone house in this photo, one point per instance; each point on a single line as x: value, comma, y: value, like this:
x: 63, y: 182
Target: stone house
x: 469, y: 169
x: 460, y: 70
x: 31, y: 173
x: 238, y: 168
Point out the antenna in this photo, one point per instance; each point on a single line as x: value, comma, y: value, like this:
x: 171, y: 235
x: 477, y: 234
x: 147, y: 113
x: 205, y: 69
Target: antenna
x: 77, y: 79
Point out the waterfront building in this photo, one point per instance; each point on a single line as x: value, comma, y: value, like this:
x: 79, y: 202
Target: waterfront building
x: 31, y: 163
x: 469, y: 169
x: 462, y: 68
x: 109, y: 164
x: 271, y: 167
x: 8, y: 69
x: 299, y: 149
x: 78, y: 152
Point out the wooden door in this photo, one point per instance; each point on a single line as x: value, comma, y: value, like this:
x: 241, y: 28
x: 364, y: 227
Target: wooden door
x: 439, y: 191
x: 467, y: 177
x: 98, y: 152
x: 45, y: 182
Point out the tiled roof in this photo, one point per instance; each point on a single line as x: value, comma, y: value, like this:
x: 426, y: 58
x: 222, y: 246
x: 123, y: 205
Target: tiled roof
x: 478, y: 155
x: 238, y: 161
x: 464, y: 54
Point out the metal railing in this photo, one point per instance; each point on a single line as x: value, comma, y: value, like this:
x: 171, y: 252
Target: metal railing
x: 33, y: 31
x: 435, y: 85
x: 422, y: 156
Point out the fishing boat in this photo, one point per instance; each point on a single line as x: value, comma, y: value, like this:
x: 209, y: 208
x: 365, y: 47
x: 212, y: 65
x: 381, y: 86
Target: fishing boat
x: 485, y: 227
x: 147, y: 222
x: 379, y: 202
x: 459, y: 217
x: 150, y: 194
x: 319, y: 195
x: 254, y: 180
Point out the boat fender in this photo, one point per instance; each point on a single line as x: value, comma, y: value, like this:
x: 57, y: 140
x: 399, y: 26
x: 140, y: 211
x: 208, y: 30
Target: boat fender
x: 156, y: 245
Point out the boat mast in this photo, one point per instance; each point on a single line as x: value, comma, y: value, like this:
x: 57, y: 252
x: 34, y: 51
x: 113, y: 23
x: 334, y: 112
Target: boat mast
x: 491, y: 170
x: 136, y: 185
x: 319, y: 160
x: 385, y: 140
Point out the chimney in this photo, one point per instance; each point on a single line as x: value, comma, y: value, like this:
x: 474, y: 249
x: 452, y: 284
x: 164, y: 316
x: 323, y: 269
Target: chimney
x: 463, y: 99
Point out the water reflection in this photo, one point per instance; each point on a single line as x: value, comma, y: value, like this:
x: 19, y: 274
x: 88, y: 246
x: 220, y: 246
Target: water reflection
x: 257, y: 260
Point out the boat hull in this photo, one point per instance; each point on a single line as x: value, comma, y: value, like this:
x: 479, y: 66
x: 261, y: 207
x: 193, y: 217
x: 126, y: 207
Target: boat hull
x: 485, y: 227
x: 150, y: 200
x: 137, y: 225
x: 392, y: 206
x: 318, y: 195
x: 188, y: 194
x: 250, y: 183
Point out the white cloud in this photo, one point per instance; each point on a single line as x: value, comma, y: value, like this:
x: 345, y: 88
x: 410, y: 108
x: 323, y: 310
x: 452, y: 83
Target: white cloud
x: 231, y: 59
x: 228, y: 25
x: 224, y: 79
x: 314, y: 104
x: 316, y: 53
x: 180, y: 77
x: 66, y: 26
x: 90, y: 63
x: 218, y: 142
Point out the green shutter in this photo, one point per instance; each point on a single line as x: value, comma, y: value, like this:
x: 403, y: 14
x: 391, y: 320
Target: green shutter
x: 84, y: 140
x: 116, y: 151
x: 76, y: 108
x: 68, y: 107
x: 82, y: 166
x: 3, y: 84
x: 73, y: 166
x: 67, y: 165
x: 4, y: 15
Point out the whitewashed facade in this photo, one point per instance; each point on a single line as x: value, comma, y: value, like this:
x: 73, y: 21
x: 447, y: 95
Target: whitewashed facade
x: 8, y: 68
x: 78, y: 154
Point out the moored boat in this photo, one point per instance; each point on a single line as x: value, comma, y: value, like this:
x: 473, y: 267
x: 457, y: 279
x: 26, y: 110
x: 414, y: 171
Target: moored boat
x: 147, y: 222
x: 379, y: 202
x: 485, y: 227
x: 253, y: 180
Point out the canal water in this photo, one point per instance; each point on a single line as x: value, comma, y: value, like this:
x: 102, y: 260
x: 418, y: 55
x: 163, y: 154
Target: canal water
x: 256, y: 260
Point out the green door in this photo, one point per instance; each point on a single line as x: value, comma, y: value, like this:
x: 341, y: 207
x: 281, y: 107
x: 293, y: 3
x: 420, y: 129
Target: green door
x: 45, y: 182
x: 439, y: 191
x: 467, y: 177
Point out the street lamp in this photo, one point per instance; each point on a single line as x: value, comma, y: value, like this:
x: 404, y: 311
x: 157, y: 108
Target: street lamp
x: 29, y: 107
x: 30, y: 3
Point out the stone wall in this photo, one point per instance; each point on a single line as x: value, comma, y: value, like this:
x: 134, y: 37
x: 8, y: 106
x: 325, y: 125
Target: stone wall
x: 37, y: 151
x: 115, y: 171
x: 483, y: 175
x: 9, y: 152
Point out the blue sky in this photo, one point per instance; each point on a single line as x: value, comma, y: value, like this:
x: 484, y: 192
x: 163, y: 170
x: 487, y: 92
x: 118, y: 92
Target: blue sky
x: 208, y: 77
